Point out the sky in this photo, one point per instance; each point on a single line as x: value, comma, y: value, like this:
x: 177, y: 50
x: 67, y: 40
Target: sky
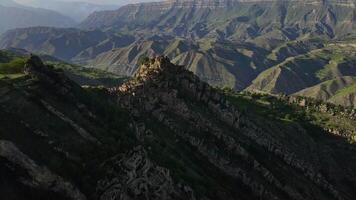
x: 92, y: 1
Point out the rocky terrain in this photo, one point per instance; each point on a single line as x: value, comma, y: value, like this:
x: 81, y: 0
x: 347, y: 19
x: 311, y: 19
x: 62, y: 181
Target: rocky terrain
x: 231, y: 19
x: 261, y: 46
x: 253, y: 99
x: 165, y: 134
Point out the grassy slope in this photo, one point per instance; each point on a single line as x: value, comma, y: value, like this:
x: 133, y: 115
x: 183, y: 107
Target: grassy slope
x: 303, y: 71
x: 11, y: 66
x: 336, y: 90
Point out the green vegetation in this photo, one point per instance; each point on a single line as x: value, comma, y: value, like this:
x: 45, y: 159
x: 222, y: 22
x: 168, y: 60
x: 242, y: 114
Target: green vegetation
x: 266, y: 105
x: 347, y: 90
x: 15, y: 66
x: 83, y: 71
x: 277, y: 108
x: 142, y: 59
x: 11, y: 65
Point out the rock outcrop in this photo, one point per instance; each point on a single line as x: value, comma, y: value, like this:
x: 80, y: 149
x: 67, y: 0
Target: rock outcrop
x: 223, y: 135
x: 35, y: 68
x: 164, y: 134
x: 134, y: 176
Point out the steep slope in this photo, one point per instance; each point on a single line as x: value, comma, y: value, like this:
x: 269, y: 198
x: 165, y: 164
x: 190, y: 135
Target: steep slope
x: 218, y: 63
x: 69, y: 165
x: 162, y: 135
x: 303, y: 71
x: 13, y: 15
x: 339, y: 91
x: 232, y: 19
x: 227, y: 43
x: 200, y: 116
x: 63, y: 43
x: 345, y: 96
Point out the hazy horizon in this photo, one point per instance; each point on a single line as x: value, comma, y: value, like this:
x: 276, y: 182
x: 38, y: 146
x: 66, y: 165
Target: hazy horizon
x: 103, y: 2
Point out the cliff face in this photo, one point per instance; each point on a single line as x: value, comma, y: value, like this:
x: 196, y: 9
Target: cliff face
x: 226, y: 16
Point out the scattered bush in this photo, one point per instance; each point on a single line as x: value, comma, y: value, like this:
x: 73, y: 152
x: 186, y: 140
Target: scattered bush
x: 13, y: 67
x: 143, y: 59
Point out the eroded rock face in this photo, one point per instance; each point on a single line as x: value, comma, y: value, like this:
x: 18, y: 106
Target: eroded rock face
x: 164, y: 135
x: 224, y: 136
x: 134, y: 176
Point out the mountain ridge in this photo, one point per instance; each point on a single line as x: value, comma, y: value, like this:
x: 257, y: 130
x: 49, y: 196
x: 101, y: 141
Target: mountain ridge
x: 226, y: 46
x: 167, y: 125
x: 14, y: 15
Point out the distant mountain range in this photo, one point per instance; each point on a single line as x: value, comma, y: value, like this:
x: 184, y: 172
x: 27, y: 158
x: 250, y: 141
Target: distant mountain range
x: 240, y: 107
x: 76, y: 10
x: 13, y: 15
x: 232, y: 19
x: 267, y: 46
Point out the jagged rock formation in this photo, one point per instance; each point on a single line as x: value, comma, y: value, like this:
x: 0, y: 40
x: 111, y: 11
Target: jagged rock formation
x: 61, y: 142
x: 164, y: 134
x: 134, y: 176
x: 223, y: 135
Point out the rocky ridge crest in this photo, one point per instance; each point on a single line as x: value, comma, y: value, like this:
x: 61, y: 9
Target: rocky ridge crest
x: 170, y: 94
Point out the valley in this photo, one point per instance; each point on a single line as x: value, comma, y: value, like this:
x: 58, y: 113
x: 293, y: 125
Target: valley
x: 178, y: 100
x: 249, y: 47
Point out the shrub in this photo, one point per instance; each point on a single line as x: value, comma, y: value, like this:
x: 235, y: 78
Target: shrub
x: 13, y: 67
x: 143, y: 59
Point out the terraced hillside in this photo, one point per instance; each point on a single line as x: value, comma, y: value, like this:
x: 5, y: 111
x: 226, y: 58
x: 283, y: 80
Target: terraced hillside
x: 166, y: 135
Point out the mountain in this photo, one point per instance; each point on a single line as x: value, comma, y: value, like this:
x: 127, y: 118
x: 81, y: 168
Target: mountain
x: 220, y: 63
x: 13, y: 15
x: 63, y: 43
x: 339, y: 91
x: 76, y: 10
x: 303, y: 71
x: 11, y: 64
x: 232, y: 19
x: 261, y: 46
x: 165, y: 134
